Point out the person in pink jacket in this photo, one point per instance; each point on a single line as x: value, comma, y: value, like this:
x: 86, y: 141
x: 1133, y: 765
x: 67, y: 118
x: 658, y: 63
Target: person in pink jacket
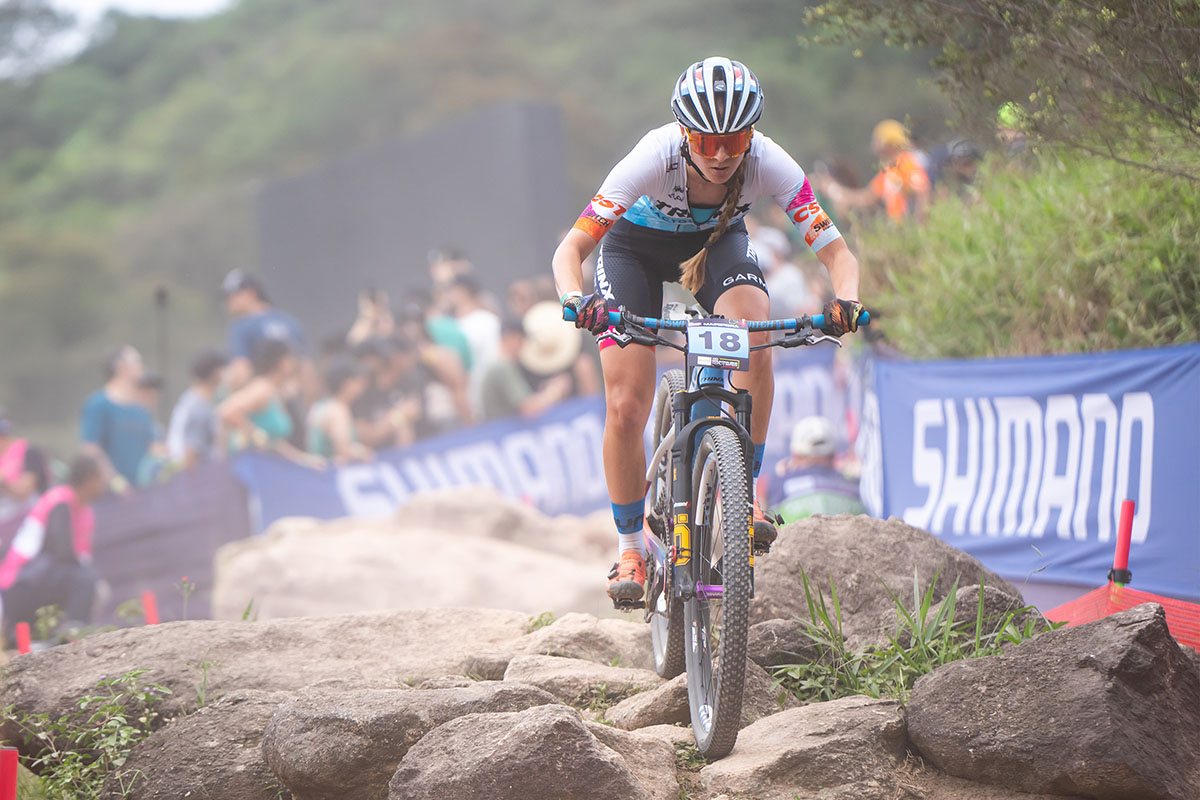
x: 49, y: 562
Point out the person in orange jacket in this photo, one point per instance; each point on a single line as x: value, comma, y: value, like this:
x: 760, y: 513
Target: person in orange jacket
x: 901, y: 186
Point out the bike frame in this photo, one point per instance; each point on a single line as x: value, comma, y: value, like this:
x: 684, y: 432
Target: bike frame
x: 693, y: 412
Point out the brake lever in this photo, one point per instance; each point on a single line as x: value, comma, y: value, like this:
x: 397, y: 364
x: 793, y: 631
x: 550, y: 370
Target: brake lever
x: 812, y: 337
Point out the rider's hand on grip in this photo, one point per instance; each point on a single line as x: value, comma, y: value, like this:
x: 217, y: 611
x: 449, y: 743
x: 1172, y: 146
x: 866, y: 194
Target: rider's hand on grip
x: 590, y: 312
x: 842, y: 316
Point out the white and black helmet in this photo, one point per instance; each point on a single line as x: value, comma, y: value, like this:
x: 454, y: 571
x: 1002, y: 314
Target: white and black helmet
x: 717, y: 95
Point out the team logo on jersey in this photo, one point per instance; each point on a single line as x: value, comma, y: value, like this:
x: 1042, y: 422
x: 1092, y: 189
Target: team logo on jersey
x: 744, y: 277
x: 598, y: 217
x: 821, y: 224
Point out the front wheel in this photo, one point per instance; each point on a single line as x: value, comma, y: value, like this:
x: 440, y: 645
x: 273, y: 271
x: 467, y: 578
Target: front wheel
x: 716, y: 619
x: 665, y: 613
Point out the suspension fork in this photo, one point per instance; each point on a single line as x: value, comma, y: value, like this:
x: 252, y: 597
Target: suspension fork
x: 693, y: 412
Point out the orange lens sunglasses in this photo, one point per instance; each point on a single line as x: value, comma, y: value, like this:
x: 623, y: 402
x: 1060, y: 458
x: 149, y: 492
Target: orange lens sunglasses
x: 709, y: 144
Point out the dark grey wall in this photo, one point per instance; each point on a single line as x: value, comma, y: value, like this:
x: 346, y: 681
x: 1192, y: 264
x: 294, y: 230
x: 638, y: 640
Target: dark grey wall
x: 492, y: 183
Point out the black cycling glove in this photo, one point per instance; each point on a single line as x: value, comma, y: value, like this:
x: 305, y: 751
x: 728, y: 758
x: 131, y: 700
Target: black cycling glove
x: 591, y: 312
x: 841, y: 316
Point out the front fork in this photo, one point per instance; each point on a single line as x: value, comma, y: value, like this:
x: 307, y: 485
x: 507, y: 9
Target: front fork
x: 693, y: 412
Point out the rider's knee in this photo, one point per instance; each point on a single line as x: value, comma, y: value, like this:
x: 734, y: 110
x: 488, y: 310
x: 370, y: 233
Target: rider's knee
x: 627, y: 411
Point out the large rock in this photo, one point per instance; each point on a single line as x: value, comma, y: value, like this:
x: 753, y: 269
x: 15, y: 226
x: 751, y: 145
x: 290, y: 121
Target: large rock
x: 1102, y: 710
x: 334, y: 745
x: 668, y: 704
x: 615, y: 642
x: 377, y: 650
x: 214, y: 752
x: 865, y: 558
x: 998, y: 606
x: 845, y: 749
x: 618, y: 642
x: 482, y: 511
x: 774, y: 642
x: 545, y: 752
x: 650, y: 759
x: 580, y: 682
x: 303, y: 567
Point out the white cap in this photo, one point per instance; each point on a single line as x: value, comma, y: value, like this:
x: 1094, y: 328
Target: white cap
x: 813, y: 436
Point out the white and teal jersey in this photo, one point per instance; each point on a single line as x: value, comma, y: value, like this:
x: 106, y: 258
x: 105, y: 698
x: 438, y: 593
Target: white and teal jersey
x: 648, y: 187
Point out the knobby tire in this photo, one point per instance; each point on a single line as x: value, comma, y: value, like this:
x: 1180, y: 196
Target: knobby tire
x: 666, y: 633
x: 715, y: 631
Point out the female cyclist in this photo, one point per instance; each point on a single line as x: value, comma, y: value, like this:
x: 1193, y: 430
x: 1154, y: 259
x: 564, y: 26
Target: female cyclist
x: 672, y: 210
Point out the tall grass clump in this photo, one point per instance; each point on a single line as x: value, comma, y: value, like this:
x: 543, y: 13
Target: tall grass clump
x: 1065, y: 255
x: 924, y: 639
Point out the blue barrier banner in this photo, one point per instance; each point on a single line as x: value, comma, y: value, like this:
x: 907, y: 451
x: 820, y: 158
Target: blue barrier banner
x: 552, y: 461
x: 1024, y: 462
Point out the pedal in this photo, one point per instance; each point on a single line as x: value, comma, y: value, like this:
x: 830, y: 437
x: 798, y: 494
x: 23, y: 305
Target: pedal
x: 628, y: 606
x: 764, y: 536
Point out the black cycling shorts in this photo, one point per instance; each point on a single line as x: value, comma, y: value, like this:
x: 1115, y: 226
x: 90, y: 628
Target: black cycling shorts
x: 635, y: 261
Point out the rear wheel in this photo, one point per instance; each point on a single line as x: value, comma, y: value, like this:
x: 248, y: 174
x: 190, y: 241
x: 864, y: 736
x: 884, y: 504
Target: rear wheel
x: 716, y: 619
x: 665, y: 613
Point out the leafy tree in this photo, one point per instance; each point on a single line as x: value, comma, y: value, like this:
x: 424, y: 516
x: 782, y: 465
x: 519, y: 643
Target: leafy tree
x: 25, y: 27
x: 1117, y: 78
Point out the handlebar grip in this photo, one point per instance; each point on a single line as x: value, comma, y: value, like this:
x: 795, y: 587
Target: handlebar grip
x: 614, y: 317
x: 818, y: 320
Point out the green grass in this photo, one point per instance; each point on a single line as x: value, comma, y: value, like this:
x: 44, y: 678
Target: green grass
x: 1069, y: 255
x: 80, y: 750
x: 540, y: 621
x: 28, y: 786
x: 924, y: 640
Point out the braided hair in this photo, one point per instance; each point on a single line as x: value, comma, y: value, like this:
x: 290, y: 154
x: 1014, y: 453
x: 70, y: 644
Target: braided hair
x: 694, y: 268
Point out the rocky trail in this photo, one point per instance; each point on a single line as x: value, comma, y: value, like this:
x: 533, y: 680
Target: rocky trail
x: 468, y: 700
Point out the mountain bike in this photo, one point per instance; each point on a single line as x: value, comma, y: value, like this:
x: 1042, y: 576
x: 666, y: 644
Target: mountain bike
x: 700, y: 528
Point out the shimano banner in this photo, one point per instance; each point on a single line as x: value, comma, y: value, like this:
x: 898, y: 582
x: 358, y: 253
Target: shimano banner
x: 1024, y: 462
x: 552, y: 461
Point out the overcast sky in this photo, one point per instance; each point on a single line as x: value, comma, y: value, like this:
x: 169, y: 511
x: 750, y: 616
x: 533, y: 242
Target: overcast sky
x: 90, y: 9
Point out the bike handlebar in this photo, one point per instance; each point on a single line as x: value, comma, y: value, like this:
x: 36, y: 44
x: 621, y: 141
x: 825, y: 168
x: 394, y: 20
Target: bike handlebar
x: 615, y: 318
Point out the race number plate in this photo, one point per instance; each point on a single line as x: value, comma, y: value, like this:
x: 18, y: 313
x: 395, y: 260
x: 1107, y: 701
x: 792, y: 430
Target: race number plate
x: 719, y: 343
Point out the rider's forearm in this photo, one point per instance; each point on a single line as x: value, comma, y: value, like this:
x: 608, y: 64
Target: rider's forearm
x: 843, y: 269
x: 568, y: 270
x: 568, y: 261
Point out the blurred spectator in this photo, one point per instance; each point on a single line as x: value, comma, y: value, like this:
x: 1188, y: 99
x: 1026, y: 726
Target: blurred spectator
x: 49, y: 562
x: 436, y: 376
x: 953, y: 169
x: 479, y: 324
x: 806, y: 483
x: 115, y: 424
x: 379, y: 424
x: 520, y: 297
x: 254, y: 320
x: 192, y: 432
x: 901, y: 186
x: 374, y: 319
x: 255, y: 415
x: 24, y: 472
x: 154, y: 463
x: 331, y: 432
x: 446, y: 266
x: 1010, y: 129
x: 551, y: 350
x: 439, y: 327
x: 506, y: 389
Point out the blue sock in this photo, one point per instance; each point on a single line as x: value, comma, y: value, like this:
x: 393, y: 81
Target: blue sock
x: 758, y: 458
x: 629, y: 518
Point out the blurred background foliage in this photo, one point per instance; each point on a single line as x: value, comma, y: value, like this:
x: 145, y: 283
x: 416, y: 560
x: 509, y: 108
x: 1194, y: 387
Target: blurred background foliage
x: 134, y: 165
